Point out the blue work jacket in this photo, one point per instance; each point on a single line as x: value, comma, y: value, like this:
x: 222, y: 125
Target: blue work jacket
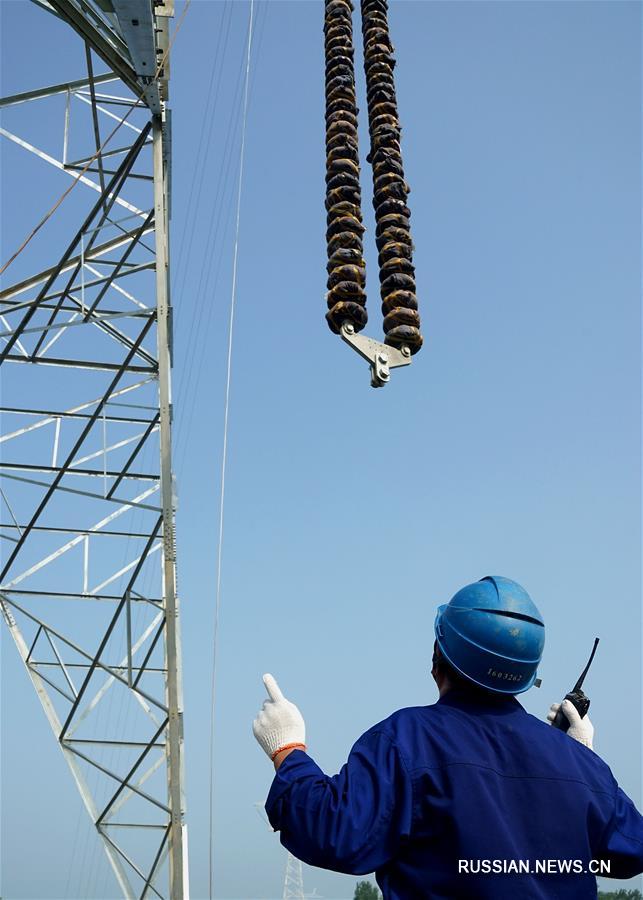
x: 435, y: 795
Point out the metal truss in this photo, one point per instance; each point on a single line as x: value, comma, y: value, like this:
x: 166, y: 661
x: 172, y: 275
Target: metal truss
x: 88, y: 580
x: 294, y: 879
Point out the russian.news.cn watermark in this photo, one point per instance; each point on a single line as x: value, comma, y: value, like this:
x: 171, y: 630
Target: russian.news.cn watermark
x: 533, y: 867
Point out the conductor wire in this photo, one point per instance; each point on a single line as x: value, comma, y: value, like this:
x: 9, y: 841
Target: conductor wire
x: 224, y: 452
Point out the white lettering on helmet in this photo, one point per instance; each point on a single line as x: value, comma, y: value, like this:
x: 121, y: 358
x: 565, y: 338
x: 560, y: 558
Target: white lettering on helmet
x: 504, y: 676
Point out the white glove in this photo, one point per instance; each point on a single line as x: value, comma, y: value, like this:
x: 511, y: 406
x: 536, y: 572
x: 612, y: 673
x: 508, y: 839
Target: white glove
x: 279, y: 724
x: 581, y: 730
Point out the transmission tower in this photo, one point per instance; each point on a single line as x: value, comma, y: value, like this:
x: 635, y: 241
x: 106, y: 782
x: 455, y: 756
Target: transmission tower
x: 294, y: 880
x: 88, y: 581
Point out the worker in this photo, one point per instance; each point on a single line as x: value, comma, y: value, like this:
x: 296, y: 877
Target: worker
x: 471, y: 797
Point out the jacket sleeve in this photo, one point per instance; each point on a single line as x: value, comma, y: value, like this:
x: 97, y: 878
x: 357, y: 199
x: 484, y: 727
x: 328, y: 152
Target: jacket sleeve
x: 352, y: 822
x: 623, y: 842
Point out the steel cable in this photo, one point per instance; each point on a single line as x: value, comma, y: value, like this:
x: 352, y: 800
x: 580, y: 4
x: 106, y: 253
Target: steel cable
x: 221, y: 203
x: 198, y: 172
x: 224, y: 453
x: 188, y: 390
x: 201, y: 165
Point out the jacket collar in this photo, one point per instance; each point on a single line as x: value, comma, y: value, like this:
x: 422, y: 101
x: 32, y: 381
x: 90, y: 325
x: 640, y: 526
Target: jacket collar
x: 477, y: 701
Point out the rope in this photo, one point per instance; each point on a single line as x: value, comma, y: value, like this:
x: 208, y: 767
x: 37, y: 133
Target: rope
x: 224, y: 454
x: 98, y: 152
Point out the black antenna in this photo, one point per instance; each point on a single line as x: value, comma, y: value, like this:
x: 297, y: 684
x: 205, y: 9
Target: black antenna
x: 580, y: 681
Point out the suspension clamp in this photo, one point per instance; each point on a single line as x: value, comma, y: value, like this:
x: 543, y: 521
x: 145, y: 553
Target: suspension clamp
x: 381, y: 357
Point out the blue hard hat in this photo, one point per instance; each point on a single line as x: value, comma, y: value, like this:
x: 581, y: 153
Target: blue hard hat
x: 493, y: 634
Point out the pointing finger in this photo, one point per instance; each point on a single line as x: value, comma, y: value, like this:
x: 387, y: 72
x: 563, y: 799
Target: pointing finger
x: 274, y: 691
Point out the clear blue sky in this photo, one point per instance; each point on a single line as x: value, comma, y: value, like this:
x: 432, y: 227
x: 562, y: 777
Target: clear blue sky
x: 511, y: 446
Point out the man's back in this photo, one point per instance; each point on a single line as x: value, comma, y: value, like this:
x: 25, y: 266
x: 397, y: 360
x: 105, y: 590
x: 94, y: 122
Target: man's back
x: 470, y: 797
x: 496, y: 789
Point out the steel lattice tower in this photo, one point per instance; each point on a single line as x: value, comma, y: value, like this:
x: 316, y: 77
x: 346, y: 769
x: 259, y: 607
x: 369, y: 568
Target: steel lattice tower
x: 88, y: 580
x: 294, y: 880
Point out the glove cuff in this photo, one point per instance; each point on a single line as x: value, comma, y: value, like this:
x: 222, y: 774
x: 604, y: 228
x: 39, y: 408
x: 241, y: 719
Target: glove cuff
x: 294, y: 746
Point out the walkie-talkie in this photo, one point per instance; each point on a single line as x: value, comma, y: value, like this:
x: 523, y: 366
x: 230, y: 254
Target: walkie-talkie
x: 576, y: 696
